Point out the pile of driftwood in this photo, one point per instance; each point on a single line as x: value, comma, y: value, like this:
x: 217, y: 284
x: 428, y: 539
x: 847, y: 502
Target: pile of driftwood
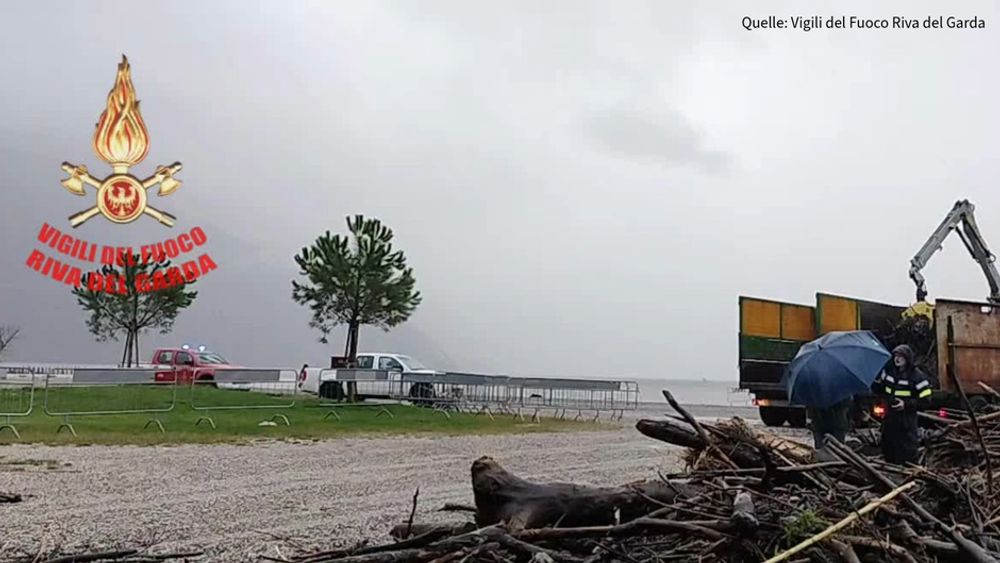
x: 746, y: 496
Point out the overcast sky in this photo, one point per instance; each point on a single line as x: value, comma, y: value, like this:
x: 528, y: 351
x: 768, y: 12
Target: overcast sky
x: 581, y: 188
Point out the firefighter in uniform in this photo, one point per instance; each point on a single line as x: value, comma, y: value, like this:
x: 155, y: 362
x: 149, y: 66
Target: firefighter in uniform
x: 906, y: 390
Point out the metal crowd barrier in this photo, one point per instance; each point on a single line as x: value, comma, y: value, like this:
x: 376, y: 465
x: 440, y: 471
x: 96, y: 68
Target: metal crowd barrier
x: 267, y: 389
x: 17, y: 399
x: 460, y: 392
x: 563, y: 395
x: 340, y: 388
x: 108, y: 391
x: 478, y: 394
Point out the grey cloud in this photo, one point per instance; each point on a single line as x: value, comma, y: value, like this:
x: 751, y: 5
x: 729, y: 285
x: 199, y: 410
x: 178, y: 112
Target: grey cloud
x: 662, y: 136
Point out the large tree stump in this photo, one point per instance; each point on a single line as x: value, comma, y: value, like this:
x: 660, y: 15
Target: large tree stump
x: 503, y: 497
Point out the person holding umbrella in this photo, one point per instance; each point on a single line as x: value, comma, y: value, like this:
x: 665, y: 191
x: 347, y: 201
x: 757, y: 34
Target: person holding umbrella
x: 906, y: 390
x: 825, y: 375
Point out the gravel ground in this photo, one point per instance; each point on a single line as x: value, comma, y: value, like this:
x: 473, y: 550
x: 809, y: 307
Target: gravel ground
x: 238, y: 502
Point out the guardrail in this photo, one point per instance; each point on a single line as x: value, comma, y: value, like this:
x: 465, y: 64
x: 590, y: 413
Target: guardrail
x: 275, y: 389
x: 17, y: 400
x: 108, y: 391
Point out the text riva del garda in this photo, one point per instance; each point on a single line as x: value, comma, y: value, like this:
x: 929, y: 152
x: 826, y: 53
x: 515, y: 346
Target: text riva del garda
x: 187, y: 248
x: 809, y: 23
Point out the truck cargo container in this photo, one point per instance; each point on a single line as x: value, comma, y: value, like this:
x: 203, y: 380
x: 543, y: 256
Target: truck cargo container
x: 771, y: 333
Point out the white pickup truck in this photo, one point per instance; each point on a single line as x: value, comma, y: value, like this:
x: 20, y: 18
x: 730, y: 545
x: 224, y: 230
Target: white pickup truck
x: 327, y: 385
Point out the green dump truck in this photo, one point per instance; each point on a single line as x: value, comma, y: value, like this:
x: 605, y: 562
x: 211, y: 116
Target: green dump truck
x: 964, y: 347
x: 771, y: 333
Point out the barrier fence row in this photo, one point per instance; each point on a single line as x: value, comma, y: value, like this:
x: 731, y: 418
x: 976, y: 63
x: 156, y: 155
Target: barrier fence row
x: 150, y: 392
x: 480, y: 394
x: 77, y: 392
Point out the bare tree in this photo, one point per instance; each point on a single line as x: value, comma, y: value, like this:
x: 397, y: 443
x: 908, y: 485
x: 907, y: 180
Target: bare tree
x: 8, y: 334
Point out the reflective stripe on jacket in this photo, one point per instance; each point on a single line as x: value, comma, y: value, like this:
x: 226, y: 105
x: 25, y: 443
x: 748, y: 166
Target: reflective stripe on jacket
x: 916, y: 386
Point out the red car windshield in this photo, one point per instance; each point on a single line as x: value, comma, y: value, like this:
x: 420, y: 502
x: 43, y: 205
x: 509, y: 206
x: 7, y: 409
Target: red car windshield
x: 211, y: 358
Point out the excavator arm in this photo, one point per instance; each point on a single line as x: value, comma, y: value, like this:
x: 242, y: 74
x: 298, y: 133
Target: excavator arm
x: 961, y: 220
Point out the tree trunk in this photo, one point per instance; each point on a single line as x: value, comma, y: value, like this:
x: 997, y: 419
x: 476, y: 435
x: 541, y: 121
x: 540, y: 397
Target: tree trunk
x: 128, y: 345
x: 352, y: 353
x: 131, y: 347
x: 503, y: 497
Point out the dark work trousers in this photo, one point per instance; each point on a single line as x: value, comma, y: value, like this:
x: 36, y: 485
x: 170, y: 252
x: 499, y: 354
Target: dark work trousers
x: 833, y: 421
x: 900, y: 436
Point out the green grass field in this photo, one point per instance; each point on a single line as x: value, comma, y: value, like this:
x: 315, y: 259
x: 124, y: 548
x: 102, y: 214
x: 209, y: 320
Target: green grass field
x: 179, y: 415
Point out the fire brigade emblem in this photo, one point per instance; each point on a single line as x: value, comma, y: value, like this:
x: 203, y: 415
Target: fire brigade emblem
x: 121, y: 140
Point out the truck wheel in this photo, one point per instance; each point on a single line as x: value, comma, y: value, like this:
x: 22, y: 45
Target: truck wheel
x: 207, y: 380
x: 772, y: 416
x: 421, y: 394
x: 332, y: 390
x: 796, y: 418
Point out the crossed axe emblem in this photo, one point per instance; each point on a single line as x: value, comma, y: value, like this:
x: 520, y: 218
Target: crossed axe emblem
x: 121, y: 197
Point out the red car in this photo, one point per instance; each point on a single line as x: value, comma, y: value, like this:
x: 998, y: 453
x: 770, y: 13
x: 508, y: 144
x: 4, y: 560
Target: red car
x: 189, y: 364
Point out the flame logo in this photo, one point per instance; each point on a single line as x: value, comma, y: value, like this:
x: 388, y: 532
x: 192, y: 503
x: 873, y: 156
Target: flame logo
x: 121, y: 138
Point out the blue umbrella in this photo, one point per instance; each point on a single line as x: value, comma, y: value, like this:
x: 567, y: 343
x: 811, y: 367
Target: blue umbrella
x: 834, y: 367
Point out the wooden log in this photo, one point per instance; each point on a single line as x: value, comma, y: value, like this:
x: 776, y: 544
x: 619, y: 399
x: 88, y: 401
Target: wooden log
x: 795, y: 452
x: 401, y: 556
x: 844, y: 550
x: 675, y: 433
x: 532, y: 551
x: 502, y: 497
x: 902, y: 533
x: 405, y: 552
x: 88, y: 557
x: 671, y: 432
x: 698, y: 428
x: 398, y: 532
x: 747, y: 456
x: 452, y: 507
x: 880, y: 545
x: 708, y: 529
